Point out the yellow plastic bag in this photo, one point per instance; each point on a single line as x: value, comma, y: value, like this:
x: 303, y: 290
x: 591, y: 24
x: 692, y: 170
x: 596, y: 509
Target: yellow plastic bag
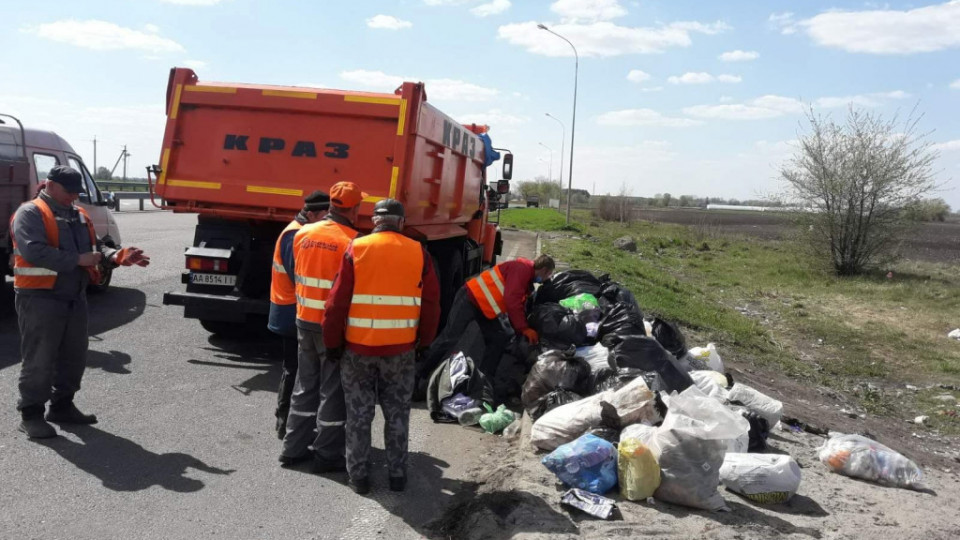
x: 638, y: 470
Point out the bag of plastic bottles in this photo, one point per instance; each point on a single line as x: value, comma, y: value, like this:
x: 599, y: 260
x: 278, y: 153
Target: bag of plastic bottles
x: 860, y: 457
x: 580, y: 302
x: 588, y: 463
x: 496, y: 421
x: 762, y: 478
x: 638, y: 471
x: 757, y: 402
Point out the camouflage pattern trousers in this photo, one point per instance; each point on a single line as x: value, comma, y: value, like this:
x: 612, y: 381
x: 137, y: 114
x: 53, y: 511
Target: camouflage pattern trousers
x: 367, y: 380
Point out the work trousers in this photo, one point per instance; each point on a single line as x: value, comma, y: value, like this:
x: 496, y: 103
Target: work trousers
x: 367, y: 380
x: 316, y: 402
x: 53, y: 346
x: 462, y: 313
x: 288, y: 375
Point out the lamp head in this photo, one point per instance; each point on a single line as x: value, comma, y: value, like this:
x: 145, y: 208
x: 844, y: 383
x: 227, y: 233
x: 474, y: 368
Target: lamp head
x: 542, y: 27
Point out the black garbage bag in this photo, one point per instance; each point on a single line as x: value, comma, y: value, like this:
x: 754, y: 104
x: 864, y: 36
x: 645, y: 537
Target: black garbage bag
x: 614, y: 379
x: 616, y: 293
x: 644, y: 353
x: 551, y: 401
x: 759, y: 431
x: 557, y: 326
x: 569, y: 283
x: 668, y: 335
x: 590, y: 315
x: 554, y: 370
x: 622, y: 319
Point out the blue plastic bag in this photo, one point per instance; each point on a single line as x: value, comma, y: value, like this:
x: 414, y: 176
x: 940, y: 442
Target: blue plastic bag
x: 588, y: 463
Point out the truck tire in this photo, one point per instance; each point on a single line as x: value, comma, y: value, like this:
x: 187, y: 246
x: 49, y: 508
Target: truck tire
x: 250, y: 329
x: 451, y: 279
x: 106, y: 274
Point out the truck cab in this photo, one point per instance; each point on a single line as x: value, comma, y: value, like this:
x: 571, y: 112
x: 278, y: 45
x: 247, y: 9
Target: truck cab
x: 26, y: 156
x: 533, y: 201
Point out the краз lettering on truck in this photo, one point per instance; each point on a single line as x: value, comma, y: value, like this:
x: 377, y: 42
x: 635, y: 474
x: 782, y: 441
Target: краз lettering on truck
x: 242, y: 157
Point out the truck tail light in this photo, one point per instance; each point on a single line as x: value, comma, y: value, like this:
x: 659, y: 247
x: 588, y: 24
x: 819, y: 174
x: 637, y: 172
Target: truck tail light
x: 207, y: 264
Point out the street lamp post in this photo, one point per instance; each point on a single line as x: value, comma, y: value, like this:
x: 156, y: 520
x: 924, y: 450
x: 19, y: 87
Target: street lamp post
x: 573, y: 122
x: 563, y: 142
x: 550, y: 169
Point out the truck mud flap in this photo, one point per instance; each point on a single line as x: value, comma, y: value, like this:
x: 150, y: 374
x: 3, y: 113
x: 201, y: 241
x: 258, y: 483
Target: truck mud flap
x: 216, y: 307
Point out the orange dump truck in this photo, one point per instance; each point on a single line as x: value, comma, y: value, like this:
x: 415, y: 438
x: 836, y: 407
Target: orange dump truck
x: 243, y: 157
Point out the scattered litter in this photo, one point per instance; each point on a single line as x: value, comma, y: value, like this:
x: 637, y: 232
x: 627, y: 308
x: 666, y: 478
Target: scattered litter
x: 591, y: 503
x: 762, y: 478
x: 955, y: 334
x: 860, y: 457
x: 921, y: 420
x: 588, y: 463
x: 496, y: 421
x: 945, y: 397
x: 512, y: 430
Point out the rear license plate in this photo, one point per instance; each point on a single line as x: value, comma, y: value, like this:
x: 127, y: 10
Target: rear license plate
x: 213, y: 279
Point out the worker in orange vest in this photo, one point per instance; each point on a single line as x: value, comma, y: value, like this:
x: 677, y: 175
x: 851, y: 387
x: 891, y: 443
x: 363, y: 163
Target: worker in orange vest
x: 500, y: 290
x: 283, y: 300
x: 56, y: 254
x: 317, y: 399
x: 384, y: 303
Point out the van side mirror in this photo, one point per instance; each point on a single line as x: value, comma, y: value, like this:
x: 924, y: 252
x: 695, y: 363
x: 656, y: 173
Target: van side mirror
x: 503, y: 186
x: 507, y: 167
x: 84, y: 198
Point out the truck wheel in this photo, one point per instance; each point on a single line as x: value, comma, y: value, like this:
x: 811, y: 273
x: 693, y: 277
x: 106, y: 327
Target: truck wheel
x: 106, y: 274
x: 250, y: 329
x: 451, y: 279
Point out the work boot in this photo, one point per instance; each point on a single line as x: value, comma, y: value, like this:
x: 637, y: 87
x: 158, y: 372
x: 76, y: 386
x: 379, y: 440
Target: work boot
x: 33, y: 424
x: 398, y: 483
x: 290, y: 461
x: 360, y: 486
x: 68, y: 413
x: 321, y: 465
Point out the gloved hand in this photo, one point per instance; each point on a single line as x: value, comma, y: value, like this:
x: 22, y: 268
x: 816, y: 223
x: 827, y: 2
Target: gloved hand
x: 130, y: 256
x: 531, y: 335
x: 335, y: 355
x: 94, y: 273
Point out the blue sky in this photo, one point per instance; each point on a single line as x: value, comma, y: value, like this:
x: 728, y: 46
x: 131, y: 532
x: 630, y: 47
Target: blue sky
x: 686, y: 97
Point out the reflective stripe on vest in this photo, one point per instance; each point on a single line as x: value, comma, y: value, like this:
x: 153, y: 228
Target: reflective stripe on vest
x: 317, y: 253
x: 387, y: 290
x: 282, y: 291
x: 28, y: 276
x: 487, y: 291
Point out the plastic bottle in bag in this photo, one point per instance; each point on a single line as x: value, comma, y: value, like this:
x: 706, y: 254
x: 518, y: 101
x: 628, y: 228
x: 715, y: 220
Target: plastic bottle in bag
x: 860, y: 457
x: 638, y: 471
x: 588, y: 463
x: 762, y: 478
x: 470, y: 417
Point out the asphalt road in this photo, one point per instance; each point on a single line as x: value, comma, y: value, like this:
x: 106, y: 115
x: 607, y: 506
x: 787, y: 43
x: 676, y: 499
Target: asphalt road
x: 185, y: 446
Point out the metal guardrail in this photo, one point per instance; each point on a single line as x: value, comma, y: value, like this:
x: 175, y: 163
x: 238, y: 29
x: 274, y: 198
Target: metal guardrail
x: 126, y: 187
x: 130, y: 195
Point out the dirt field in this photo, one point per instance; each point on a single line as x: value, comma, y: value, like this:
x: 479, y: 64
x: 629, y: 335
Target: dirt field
x: 932, y: 242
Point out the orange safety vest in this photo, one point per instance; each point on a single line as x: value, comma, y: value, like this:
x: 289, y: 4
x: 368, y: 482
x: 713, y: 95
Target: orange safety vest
x: 317, y: 252
x: 487, y: 292
x: 28, y: 276
x: 282, y: 292
x: 387, y: 288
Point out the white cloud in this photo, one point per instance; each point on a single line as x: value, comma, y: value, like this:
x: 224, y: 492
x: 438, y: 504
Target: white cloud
x: 193, y: 2
x: 604, y: 38
x: 862, y: 100
x: 923, y: 29
x: 387, y: 22
x: 955, y: 84
x: 152, y: 28
x: 739, y: 56
x: 445, y: 2
x: 438, y: 89
x: 637, y: 76
x: 948, y: 146
x: 643, y: 117
x: 195, y: 64
x: 773, y: 106
x: 652, y: 89
x: 783, y: 22
x: 103, y: 36
x: 588, y: 10
x: 703, y: 78
x: 491, y: 8
x: 493, y: 118
x: 725, y: 99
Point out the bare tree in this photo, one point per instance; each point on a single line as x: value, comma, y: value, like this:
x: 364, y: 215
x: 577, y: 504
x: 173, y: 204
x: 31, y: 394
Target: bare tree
x: 856, y: 178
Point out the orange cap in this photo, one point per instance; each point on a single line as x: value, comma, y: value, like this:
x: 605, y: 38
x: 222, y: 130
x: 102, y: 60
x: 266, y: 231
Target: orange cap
x: 346, y: 195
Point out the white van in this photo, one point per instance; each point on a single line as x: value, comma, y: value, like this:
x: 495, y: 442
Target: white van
x: 43, y: 150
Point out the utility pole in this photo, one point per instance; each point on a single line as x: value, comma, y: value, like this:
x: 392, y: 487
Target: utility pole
x: 94, y: 156
x: 125, y: 156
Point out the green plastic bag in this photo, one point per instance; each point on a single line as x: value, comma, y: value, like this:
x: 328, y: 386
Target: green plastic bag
x: 496, y: 421
x: 580, y: 302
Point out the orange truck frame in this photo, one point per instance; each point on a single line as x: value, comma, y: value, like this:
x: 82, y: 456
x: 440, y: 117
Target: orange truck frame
x: 243, y: 157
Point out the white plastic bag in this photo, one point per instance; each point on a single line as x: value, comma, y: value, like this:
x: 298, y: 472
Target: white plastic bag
x: 762, y: 478
x: 596, y: 356
x: 740, y: 445
x: 633, y: 403
x: 690, y: 446
x: 955, y: 334
x: 757, y: 402
x: 860, y: 457
x: 708, y: 355
x: 641, y: 432
x: 709, y: 383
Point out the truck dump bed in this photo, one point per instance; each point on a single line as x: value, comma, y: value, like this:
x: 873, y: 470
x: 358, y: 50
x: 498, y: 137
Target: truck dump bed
x: 252, y: 151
